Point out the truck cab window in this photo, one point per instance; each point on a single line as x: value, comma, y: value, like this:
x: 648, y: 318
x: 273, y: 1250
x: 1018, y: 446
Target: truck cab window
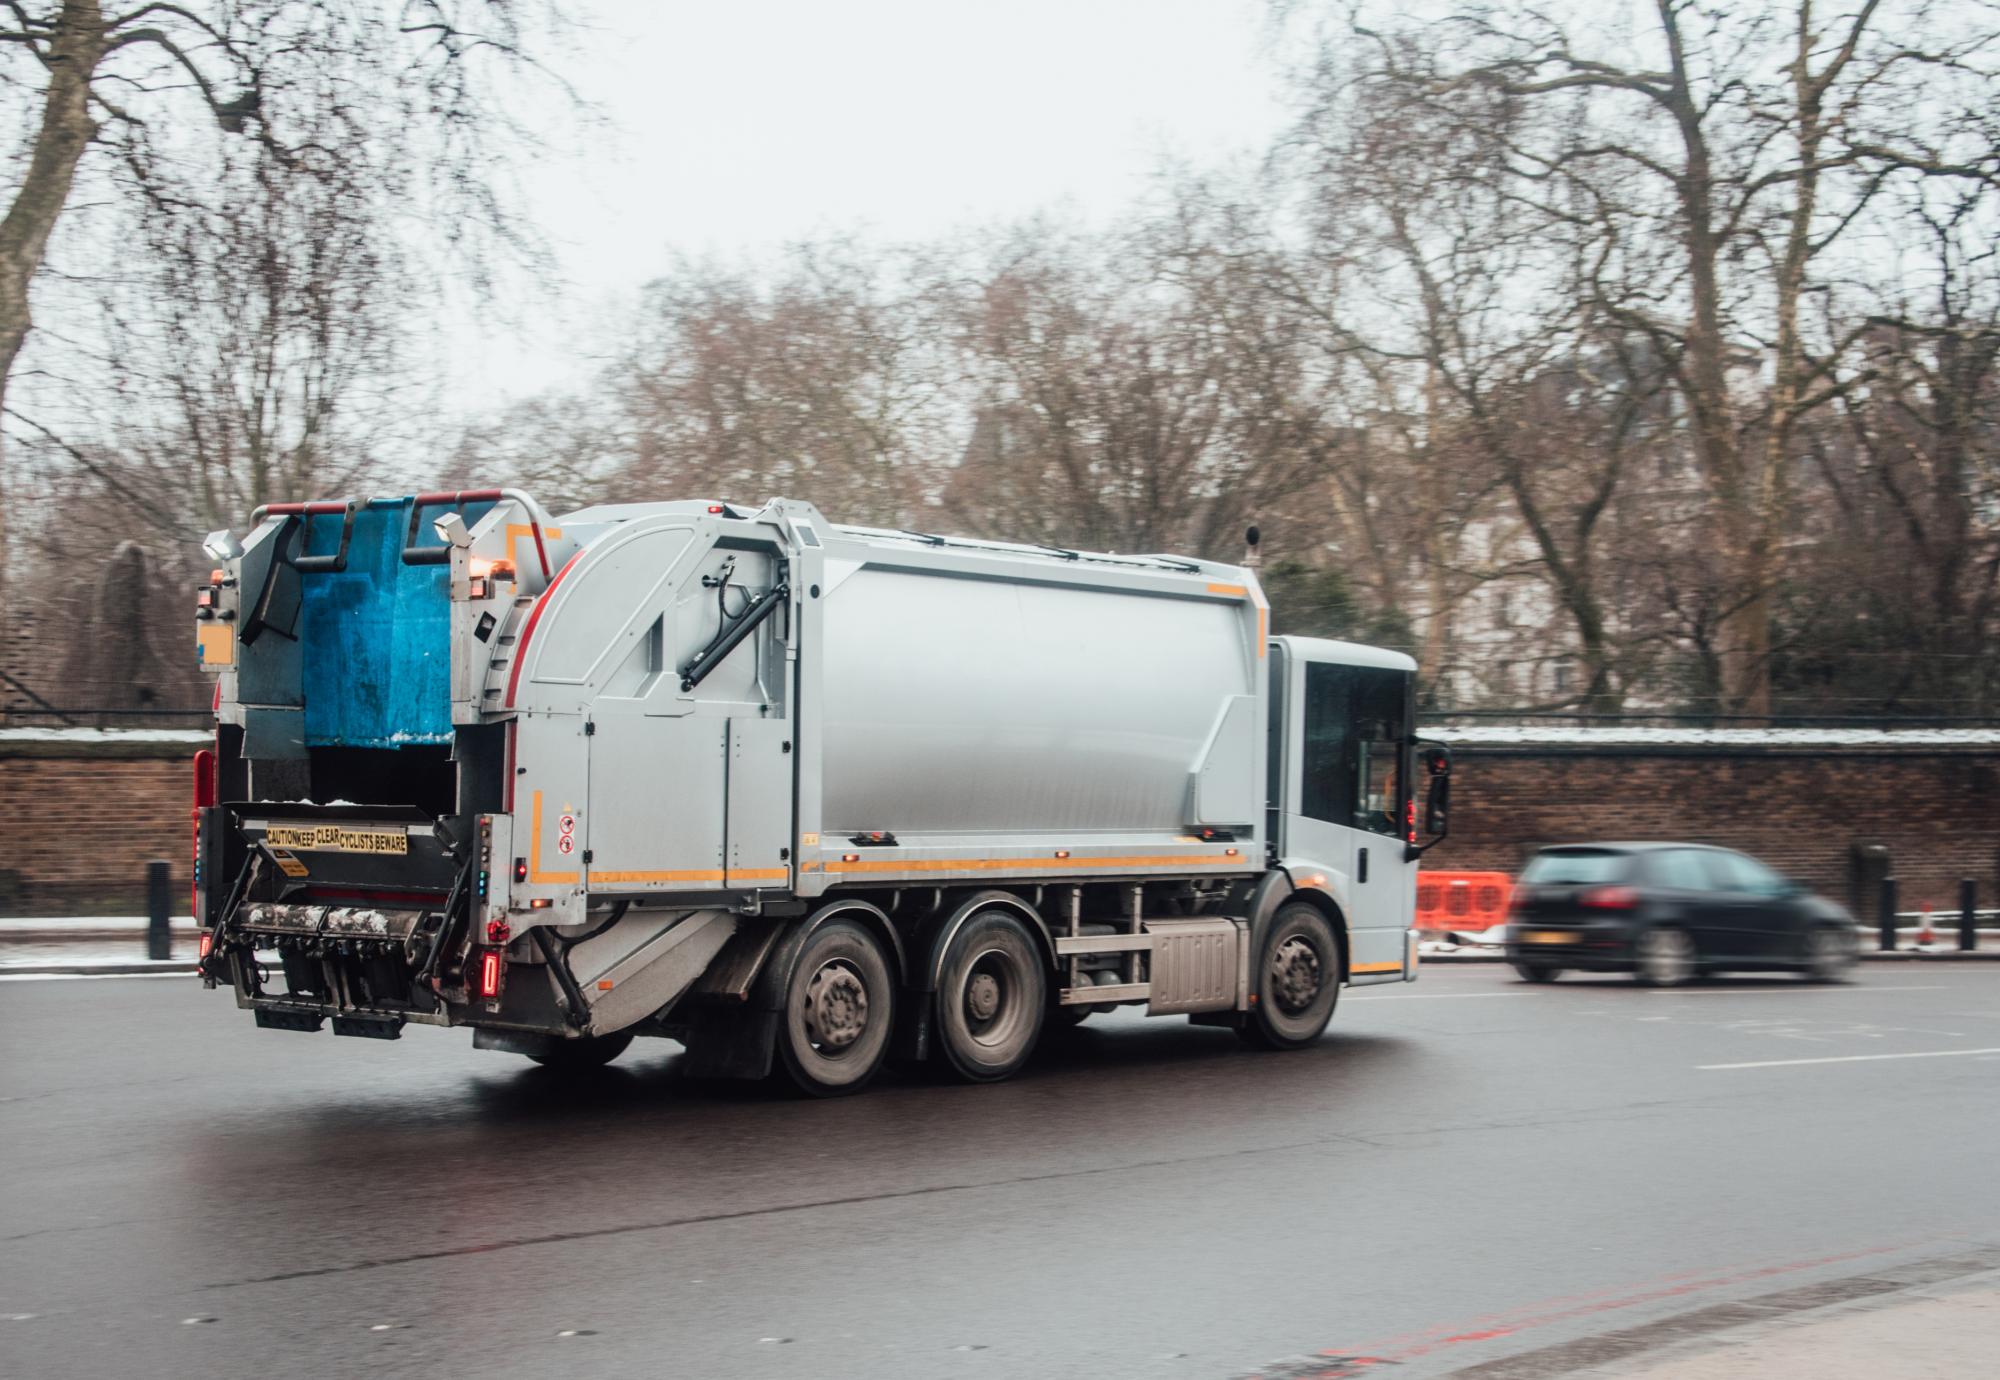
x: 1356, y: 730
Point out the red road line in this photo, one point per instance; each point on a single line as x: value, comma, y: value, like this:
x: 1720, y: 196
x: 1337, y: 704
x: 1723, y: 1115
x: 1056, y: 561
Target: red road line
x: 1564, y: 1307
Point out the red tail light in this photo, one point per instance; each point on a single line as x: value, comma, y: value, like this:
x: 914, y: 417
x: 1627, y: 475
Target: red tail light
x: 207, y: 944
x: 1410, y: 818
x: 489, y: 973
x: 1609, y: 898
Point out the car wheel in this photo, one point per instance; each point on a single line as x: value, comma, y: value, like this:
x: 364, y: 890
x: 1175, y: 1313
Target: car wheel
x: 1666, y: 956
x: 1538, y: 972
x: 1295, y: 980
x: 1829, y: 955
x: 839, y: 1008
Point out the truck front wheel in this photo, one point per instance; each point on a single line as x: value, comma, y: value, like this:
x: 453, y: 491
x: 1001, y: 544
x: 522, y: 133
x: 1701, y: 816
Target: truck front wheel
x: 993, y: 991
x: 1295, y: 979
x: 839, y: 1009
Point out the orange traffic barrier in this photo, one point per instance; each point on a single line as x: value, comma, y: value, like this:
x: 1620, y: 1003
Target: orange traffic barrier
x: 1462, y: 901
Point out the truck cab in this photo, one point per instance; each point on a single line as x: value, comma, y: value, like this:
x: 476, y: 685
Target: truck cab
x: 1343, y: 760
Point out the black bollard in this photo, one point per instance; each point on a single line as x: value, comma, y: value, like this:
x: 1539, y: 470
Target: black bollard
x: 1886, y: 919
x: 1968, y: 914
x: 159, y: 902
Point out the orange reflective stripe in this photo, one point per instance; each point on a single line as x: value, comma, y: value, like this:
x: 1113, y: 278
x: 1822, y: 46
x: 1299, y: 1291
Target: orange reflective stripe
x: 1032, y: 864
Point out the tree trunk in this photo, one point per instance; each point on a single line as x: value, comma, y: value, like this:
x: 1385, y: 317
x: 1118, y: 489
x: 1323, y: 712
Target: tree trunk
x: 66, y: 131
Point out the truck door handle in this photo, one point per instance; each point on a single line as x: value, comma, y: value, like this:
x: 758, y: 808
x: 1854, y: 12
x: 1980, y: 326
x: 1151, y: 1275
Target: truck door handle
x: 1361, y: 867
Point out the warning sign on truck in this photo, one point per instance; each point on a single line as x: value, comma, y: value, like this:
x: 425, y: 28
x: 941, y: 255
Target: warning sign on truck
x: 333, y: 838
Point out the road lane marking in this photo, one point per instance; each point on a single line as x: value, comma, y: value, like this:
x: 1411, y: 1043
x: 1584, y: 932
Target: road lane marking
x: 1784, y: 991
x: 1362, y: 994
x: 1851, y: 1059
x: 1437, y: 996
x: 89, y: 977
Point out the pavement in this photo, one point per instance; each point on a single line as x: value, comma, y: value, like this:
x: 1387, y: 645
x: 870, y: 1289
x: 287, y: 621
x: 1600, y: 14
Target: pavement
x: 1945, y: 1330
x: 1467, y: 1175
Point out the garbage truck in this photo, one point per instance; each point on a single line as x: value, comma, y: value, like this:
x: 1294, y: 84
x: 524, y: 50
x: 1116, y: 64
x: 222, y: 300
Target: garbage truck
x: 802, y: 797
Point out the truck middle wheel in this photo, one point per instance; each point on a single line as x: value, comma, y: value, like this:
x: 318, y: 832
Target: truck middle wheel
x: 992, y: 994
x: 839, y: 1009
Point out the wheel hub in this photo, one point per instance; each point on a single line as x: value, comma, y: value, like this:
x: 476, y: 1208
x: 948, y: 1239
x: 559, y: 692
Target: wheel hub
x: 836, y: 1007
x: 1295, y: 975
x: 982, y: 997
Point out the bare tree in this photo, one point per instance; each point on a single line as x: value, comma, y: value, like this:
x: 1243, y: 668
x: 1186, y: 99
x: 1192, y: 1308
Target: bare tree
x: 382, y: 102
x: 1750, y: 147
x: 819, y: 383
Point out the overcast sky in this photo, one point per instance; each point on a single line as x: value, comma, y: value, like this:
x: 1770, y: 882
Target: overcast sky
x: 740, y: 128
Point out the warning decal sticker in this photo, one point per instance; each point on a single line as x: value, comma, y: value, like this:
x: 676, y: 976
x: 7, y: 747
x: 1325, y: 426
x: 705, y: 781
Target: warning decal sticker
x: 288, y: 862
x: 333, y: 838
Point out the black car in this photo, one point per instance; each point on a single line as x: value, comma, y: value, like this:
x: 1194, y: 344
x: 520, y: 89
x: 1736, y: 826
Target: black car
x: 1666, y: 912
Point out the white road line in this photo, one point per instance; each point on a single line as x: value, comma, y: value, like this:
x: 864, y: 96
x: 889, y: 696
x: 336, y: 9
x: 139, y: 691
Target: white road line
x: 1358, y: 995
x: 1850, y: 1059
x: 88, y: 977
x: 1801, y: 991
x: 1362, y: 993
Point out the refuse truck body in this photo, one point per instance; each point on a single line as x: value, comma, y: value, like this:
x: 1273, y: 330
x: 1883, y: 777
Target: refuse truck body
x: 803, y: 797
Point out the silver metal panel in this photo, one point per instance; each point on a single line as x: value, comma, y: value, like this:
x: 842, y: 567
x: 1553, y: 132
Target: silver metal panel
x: 553, y: 781
x: 1196, y: 965
x: 760, y: 803
x: 1104, y: 944
x: 653, y: 975
x: 657, y: 787
x: 1223, y: 794
x: 990, y: 706
x: 590, y: 625
x: 1111, y: 992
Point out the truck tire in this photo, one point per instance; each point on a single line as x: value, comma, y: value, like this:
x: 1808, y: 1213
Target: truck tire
x: 586, y: 1052
x: 993, y: 991
x: 839, y: 1010
x: 1294, y: 978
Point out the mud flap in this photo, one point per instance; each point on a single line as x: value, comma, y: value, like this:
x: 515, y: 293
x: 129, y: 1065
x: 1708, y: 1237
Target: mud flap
x: 738, y: 1043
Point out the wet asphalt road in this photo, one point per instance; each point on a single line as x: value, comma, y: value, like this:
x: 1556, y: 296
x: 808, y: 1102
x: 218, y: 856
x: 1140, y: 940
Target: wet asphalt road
x: 1463, y: 1170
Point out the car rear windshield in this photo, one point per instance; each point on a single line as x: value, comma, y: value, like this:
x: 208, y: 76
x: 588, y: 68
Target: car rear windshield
x: 1577, y: 867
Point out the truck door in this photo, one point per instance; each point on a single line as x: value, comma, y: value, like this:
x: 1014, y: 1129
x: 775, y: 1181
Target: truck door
x: 1352, y: 777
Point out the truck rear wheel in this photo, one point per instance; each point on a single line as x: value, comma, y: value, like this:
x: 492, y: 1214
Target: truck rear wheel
x: 1295, y: 979
x: 839, y: 1009
x: 993, y: 991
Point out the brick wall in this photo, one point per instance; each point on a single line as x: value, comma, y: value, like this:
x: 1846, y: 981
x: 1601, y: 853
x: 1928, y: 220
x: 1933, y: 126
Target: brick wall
x: 83, y: 820
x: 1800, y: 810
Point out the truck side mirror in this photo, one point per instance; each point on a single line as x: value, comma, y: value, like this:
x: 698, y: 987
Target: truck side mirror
x: 1436, y: 760
x: 1437, y: 806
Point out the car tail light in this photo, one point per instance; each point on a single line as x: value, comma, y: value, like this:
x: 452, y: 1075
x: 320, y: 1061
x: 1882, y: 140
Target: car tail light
x: 1609, y: 898
x: 489, y: 973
